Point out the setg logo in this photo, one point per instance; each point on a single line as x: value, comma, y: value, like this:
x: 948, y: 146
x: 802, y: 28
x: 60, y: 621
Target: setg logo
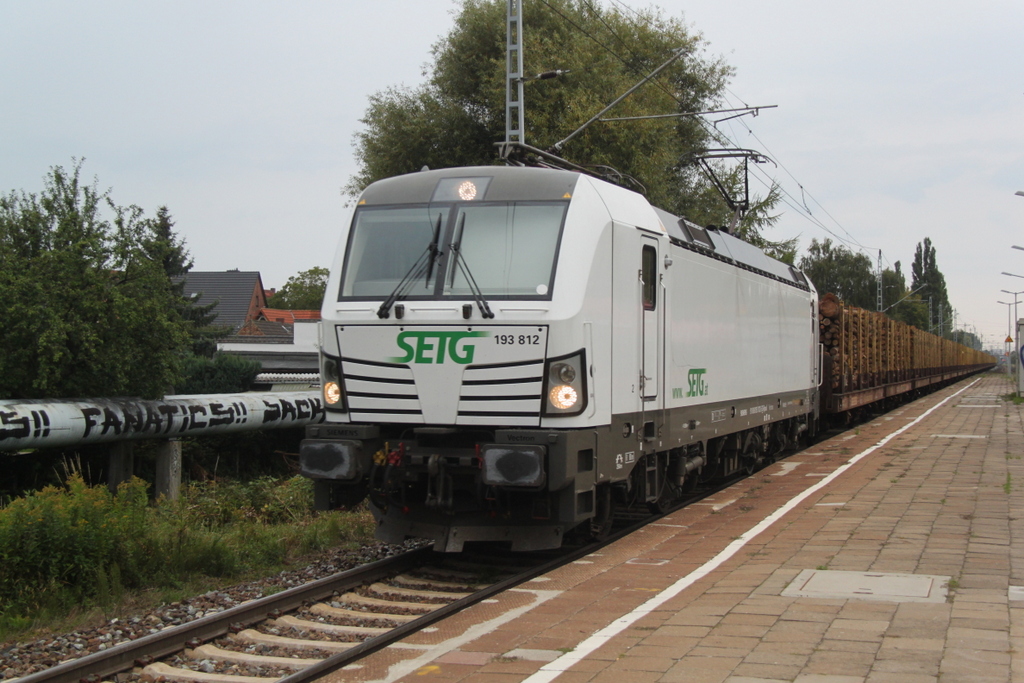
x: 697, y: 385
x: 433, y: 346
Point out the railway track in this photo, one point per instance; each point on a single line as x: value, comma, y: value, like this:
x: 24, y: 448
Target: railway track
x: 307, y: 631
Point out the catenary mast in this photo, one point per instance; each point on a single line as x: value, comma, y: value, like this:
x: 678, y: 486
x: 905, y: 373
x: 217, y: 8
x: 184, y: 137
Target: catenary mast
x: 514, y: 118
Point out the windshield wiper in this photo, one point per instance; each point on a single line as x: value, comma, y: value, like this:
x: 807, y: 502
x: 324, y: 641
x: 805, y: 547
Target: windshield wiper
x: 433, y: 251
x: 460, y: 261
x: 424, y: 264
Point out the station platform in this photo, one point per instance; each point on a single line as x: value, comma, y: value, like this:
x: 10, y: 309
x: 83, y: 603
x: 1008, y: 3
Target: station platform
x: 890, y: 553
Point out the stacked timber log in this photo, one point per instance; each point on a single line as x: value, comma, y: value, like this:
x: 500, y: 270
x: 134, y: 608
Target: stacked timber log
x: 869, y: 349
x: 830, y: 336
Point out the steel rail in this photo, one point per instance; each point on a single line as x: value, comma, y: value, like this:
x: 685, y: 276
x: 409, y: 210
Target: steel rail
x: 124, y: 655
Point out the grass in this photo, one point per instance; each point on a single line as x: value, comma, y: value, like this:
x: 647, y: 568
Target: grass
x: 75, y: 554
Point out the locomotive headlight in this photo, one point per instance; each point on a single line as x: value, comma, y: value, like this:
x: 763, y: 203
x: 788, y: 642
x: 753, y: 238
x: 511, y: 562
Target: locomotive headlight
x: 330, y: 375
x: 563, y: 397
x: 565, y: 385
x: 564, y: 372
x: 467, y: 191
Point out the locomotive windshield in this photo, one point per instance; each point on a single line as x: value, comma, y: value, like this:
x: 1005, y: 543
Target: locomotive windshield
x: 509, y: 249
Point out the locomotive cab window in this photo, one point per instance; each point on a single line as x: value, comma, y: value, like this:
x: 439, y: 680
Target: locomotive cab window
x: 508, y: 249
x: 649, y: 275
x: 384, y: 245
x: 499, y: 250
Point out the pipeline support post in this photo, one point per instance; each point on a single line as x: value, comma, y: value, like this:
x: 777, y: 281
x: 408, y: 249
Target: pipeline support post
x: 120, y: 464
x: 168, y: 470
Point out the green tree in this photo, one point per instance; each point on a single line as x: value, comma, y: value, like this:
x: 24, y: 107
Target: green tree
x: 902, y: 304
x: 225, y: 373
x: 458, y: 115
x: 86, y: 311
x: 302, y: 292
x: 932, y: 284
x: 759, y: 218
x: 840, y: 271
x: 164, y: 247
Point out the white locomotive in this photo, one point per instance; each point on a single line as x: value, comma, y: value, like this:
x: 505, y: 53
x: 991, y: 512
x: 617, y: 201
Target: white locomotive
x: 507, y: 353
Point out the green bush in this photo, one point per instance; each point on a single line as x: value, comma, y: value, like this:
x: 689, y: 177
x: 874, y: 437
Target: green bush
x: 225, y: 373
x: 68, y: 537
x: 265, y: 500
x: 75, y: 545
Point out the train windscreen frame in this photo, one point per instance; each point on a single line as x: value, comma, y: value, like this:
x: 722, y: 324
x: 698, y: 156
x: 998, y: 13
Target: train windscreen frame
x: 509, y: 248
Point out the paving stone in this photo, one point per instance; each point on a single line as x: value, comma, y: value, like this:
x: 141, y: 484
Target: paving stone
x: 918, y: 505
x: 849, y: 645
x: 835, y: 661
x: 741, y: 630
x: 924, y: 644
x: 533, y: 655
x: 686, y: 672
x: 619, y: 676
x: 762, y: 655
x: 887, y: 677
x: 740, y: 678
x: 471, y: 658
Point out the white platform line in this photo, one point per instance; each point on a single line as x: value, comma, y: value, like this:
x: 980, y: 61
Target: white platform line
x: 551, y: 670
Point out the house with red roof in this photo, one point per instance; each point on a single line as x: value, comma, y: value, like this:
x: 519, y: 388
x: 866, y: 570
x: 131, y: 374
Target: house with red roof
x: 284, y: 342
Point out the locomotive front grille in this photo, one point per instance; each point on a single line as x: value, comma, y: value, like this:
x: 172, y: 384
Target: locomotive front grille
x: 505, y: 393
x: 381, y: 391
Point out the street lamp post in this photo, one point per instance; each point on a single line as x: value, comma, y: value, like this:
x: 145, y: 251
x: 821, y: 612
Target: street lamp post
x: 1017, y: 350
x: 1007, y: 345
x: 1015, y: 300
x: 1014, y: 349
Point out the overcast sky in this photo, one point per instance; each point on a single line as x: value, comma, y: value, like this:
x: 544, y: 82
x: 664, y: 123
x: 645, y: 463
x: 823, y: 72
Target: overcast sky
x: 896, y: 121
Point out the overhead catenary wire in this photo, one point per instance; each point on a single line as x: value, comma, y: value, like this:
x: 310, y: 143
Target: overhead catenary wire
x: 798, y: 206
x: 787, y: 197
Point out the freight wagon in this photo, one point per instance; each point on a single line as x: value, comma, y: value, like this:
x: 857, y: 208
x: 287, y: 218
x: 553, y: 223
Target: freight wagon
x: 870, y: 358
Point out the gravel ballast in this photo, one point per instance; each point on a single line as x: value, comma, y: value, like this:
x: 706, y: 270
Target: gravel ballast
x: 23, y: 658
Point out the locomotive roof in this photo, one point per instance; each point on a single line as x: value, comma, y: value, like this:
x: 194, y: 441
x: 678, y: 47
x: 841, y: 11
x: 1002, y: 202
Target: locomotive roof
x: 512, y: 183
x: 507, y: 183
x: 726, y: 247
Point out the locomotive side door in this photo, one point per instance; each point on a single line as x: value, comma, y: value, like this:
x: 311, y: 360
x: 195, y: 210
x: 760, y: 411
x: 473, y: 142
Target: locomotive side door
x: 650, y: 331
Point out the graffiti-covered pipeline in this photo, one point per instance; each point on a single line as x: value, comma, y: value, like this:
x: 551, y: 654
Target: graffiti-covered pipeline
x: 46, y: 424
